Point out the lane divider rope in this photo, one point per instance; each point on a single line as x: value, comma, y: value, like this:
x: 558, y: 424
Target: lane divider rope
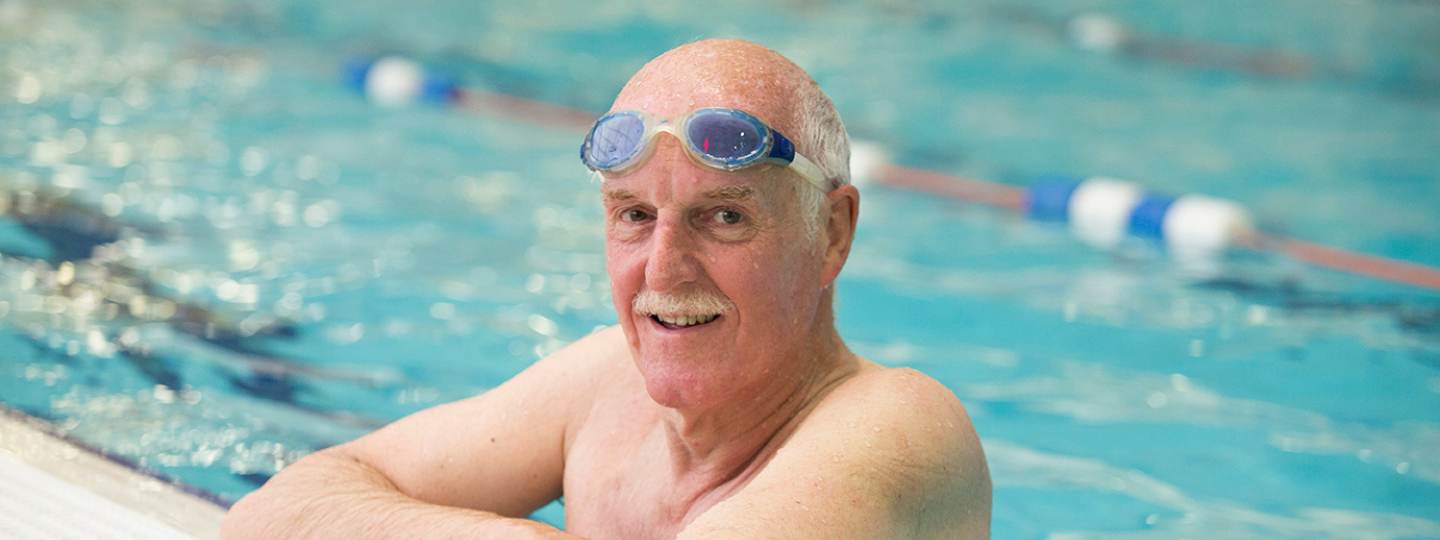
x: 1101, y: 211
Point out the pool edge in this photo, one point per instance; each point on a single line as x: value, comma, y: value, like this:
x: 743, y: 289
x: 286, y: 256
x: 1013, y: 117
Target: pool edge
x: 38, y: 445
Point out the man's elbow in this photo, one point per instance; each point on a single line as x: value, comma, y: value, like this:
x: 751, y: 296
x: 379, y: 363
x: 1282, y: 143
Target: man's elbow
x: 252, y: 517
x: 279, y: 508
x: 235, y: 523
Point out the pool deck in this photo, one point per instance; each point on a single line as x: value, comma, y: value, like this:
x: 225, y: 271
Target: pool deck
x: 52, y: 488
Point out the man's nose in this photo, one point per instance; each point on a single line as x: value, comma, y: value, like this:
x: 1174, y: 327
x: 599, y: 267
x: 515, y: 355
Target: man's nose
x: 672, y: 260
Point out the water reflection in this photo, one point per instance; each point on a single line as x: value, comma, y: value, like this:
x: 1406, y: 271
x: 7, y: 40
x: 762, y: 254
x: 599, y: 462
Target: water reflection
x: 79, y: 286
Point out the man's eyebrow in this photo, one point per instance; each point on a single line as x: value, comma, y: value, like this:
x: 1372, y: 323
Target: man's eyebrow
x: 731, y: 193
x: 618, y: 195
x: 727, y: 193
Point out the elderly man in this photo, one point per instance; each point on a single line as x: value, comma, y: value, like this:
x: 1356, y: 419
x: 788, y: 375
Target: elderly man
x: 725, y: 405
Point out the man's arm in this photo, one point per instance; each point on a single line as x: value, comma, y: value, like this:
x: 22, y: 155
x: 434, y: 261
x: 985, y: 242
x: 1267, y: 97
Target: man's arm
x: 891, y: 454
x: 331, y: 495
x: 473, y: 468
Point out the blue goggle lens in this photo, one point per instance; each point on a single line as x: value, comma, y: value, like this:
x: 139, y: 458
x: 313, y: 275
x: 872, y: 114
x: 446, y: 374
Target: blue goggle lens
x: 725, y: 138
x: 615, y: 140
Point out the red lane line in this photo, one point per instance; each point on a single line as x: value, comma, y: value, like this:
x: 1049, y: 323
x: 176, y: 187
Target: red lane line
x: 1355, y: 263
x: 965, y: 189
x: 1013, y: 198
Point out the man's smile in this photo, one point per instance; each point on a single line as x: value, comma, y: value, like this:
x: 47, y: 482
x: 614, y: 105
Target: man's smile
x: 682, y: 311
x: 683, y: 322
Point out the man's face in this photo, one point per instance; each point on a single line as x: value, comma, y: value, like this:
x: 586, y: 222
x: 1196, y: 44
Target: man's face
x: 677, y: 232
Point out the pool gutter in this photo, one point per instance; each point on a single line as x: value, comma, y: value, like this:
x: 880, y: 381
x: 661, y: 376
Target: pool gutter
x: 52, y: 487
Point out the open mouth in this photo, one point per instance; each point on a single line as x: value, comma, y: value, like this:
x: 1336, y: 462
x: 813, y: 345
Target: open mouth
x: 683, y: 322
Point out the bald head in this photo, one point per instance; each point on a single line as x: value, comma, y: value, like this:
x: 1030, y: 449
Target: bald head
x: 749, y: 77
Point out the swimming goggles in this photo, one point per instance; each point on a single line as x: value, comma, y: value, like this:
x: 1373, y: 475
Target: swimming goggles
x: 725, y: 139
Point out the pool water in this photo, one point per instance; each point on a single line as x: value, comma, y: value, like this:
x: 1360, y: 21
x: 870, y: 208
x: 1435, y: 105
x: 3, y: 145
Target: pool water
x: 283, y: 266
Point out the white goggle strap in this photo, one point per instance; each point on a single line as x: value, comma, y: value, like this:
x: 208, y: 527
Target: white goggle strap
x: 810, y: 172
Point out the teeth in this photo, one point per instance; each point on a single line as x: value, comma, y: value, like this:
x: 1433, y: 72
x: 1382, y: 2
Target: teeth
x: 685, y: 320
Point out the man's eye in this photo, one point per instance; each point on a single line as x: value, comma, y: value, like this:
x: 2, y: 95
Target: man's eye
x: 634, y: 215
x: 728, y: 217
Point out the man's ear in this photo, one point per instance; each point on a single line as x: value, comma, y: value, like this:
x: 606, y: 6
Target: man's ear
x: 844, y: 205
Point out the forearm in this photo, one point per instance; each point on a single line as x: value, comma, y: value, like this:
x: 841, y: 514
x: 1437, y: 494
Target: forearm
x: 329, y: 495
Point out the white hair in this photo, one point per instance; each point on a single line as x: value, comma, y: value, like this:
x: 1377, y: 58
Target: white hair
x: 823, y: 139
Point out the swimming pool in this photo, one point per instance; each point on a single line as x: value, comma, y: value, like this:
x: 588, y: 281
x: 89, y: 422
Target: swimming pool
x: 357, y: 263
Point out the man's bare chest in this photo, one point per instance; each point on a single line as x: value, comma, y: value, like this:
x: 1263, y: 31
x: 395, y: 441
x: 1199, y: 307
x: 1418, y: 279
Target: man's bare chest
x: 616, y: 487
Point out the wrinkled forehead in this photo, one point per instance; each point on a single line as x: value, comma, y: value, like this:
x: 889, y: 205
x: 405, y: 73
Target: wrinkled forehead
x: 684, y: 185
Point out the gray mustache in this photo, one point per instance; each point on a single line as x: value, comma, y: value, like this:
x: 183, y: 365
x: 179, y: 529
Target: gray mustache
x: 687, y: 303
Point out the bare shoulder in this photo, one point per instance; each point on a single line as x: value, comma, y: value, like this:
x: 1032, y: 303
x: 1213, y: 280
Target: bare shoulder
x: 572, y: 374
x: 603, y: 352
x: 561, y: 383
x: 889, y: 453
x: 590, y: 354
x: 913, y: 433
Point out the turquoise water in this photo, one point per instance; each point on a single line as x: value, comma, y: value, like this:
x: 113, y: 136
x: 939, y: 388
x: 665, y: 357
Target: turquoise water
x: 360, y: 263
